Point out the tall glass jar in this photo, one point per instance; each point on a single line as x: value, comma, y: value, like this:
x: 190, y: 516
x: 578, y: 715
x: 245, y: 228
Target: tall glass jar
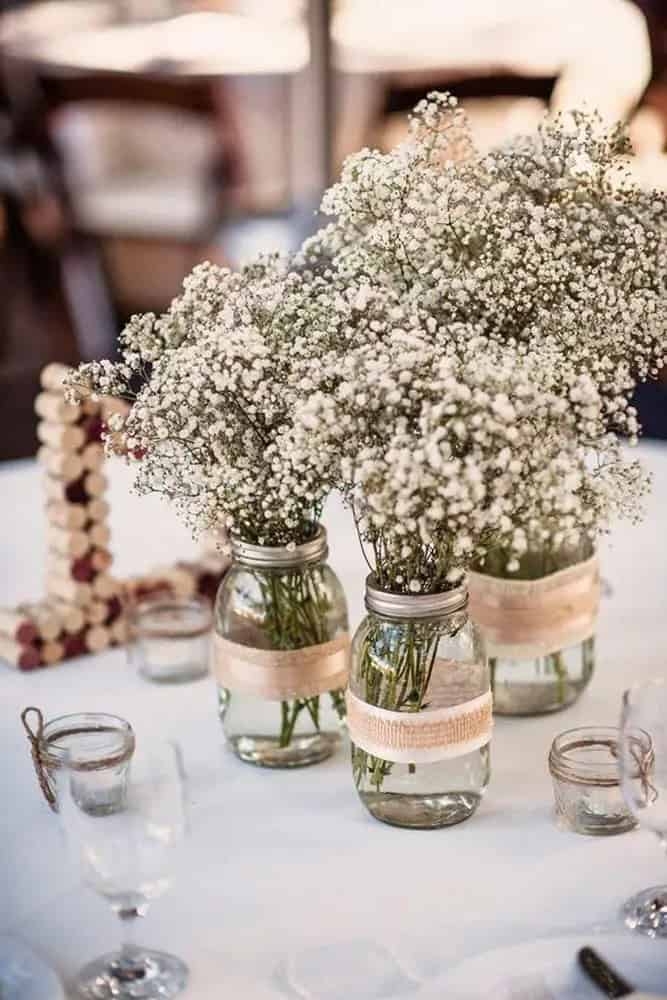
x: 419, y: 709
x: 280, y: 653
x: 539, y: 627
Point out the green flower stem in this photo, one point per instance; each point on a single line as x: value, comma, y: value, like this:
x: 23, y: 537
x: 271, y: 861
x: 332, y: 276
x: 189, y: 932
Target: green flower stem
x: 493, y: 663
x: 556, y: 661
x: 394, y: 676
x: 296, y: 609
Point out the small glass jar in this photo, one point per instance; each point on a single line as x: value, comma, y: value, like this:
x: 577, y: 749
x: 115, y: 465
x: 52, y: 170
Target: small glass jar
x: 280, y: 653
x: 96, y: 747
x: 584, y: 770
x: 539, y: 627
x: 169, y: 639
x: 419, y: 709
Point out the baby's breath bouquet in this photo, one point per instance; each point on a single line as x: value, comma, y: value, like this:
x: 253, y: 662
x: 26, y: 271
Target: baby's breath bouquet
x: 544, y: 240
x: 543, y: 246
x: 448, y: 446
x: 213, y: 385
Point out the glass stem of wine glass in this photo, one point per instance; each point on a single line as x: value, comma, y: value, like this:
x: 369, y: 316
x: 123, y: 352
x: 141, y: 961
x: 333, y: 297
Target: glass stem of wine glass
x: 130, y: 964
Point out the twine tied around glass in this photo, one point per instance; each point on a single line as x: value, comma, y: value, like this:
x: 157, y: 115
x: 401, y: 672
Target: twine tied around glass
x: 644, y: 760
x: 35, y: 738
x: 102, y: 746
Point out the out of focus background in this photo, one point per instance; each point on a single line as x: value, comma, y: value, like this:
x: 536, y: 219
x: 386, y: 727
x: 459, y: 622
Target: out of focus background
x: 138, y: 137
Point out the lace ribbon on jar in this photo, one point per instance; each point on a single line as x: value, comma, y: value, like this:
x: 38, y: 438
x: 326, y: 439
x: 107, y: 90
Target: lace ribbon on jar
x: 279, y: 674
x: 450, y: 725
x: 529, y: 618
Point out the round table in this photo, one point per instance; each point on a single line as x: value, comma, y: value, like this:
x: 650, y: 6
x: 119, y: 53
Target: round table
x: 285, y: 877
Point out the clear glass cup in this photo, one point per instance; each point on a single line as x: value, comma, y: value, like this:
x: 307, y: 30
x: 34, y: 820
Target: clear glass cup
x: 127, y: 855
x: 281, y: 653
x: 412, y: 655
x: 587, y: 789
x: 100, y: 747
x: 169, y: 639
x: 643, y: 767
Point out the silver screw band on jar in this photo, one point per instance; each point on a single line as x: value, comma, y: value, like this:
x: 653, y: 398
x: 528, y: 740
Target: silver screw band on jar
x: 280, y: 556
x: 414, y: 606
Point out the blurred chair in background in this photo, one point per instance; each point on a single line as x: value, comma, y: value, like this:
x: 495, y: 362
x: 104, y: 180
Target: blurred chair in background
x: 506, y: 61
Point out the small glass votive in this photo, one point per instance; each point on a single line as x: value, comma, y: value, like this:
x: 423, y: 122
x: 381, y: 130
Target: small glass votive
x: 584, y: 770
x: 169, y: 639
x: 97, y: 749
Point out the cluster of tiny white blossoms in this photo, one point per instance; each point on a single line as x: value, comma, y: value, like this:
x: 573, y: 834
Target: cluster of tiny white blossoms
x: 455, y: 353
x: 444, y: 455
x: 541, y: 241
x: 212, y: 386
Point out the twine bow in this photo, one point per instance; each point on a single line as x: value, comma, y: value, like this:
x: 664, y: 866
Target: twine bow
x: 37, y: 751
x: 645, y: 760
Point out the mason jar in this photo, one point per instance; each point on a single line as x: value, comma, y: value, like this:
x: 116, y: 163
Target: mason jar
x: 97, y: 748
x: 539, y: 627
x: 280, y: 653
x: 419, y: 709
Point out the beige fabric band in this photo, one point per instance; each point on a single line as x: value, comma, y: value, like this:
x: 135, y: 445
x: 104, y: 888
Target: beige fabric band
x: 420, y: 737
x: 278, y: 675
x: 526, y: 618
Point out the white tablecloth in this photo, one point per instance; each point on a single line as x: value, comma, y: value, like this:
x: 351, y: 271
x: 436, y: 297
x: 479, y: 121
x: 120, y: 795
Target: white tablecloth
x: 286, y: 873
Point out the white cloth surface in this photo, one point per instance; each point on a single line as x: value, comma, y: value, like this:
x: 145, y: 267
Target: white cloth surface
x: 285, y: 873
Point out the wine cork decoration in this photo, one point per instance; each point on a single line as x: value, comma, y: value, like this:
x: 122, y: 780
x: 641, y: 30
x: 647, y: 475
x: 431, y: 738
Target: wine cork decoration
x: 45, y: 620
x: 72, y: 618
x: 97, y: 509
x: 17, y: 626
x: 92, y: 456
x: 97, y: 612
x: 85, y: 608
x: 66, y: 515
x: 68, y: 543
x: 16, y: 654
x: 65, y: 437
x: 95, y: 484
x: 66, y: 589
x: 119, y: 632
x: 52, y: 377
x: 104, y: 586
x: 64, y: 465
x: 96, y: 638
x: 52, y: 652
x: 100, y: 560
x: 99, y: 535
x: 51, y: 406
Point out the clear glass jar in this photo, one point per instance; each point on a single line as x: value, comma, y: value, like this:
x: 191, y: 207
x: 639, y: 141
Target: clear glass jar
x: 587, y: 784
x: 96, y: 747
x: 280, y: 653
x: 419, y: 709
x: 169, y: 639
x: 537, y: 666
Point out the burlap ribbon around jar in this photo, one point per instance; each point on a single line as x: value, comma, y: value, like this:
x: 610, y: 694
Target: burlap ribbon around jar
x: 437, y: 732
x: 524, y: 619
x: 277, y: 674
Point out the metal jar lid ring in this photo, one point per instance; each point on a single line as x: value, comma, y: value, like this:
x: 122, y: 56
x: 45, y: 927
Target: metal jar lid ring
x: 280, y: 556
x: 414, y: 606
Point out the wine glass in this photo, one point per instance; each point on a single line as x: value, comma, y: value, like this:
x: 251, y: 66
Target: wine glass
x: 127, y: 854
x: 643, y: 767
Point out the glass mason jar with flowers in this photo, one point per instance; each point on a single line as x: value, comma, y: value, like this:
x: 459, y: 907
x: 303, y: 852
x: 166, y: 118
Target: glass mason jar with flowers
x: 419, y: 709
x: 441, y: 450
x: 213, y: 386
x: 280, y: 653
